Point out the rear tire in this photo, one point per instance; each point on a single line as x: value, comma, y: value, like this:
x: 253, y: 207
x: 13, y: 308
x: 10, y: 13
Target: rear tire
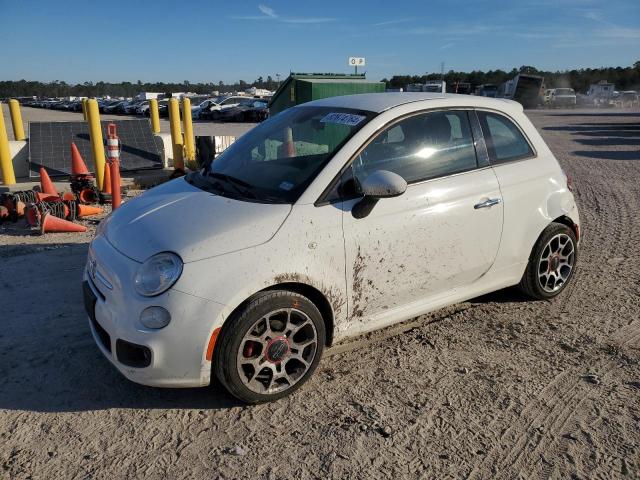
x: 552, y: 263
x: 270, y: 347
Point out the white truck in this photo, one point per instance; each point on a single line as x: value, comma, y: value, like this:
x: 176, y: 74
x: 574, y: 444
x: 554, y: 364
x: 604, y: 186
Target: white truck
x: 562, y: 97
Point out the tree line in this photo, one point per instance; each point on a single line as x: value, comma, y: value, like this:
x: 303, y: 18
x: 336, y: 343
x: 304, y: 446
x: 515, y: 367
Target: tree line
x: 58, y: 88
x: 624, y: 78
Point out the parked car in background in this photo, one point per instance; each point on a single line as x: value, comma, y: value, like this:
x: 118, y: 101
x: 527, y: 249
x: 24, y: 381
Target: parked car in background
x: 213, y: 111
x: 625, y: 99
x: 196, y: 110
x: 163, y: 108
x: 331, y: 219
x: 114, y: 107
x: 130, y: 108
x: 563, y: 97
x: 142, y: 107
x: 247, y: 110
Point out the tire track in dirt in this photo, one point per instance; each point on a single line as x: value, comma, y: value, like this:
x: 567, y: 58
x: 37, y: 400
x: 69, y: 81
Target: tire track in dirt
x: 554, y: 404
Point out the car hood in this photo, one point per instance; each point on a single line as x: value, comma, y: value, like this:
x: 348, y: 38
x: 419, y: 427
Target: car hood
x: 178, y: 217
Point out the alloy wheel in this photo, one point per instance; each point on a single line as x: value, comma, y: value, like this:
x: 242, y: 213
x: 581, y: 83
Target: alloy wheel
x: 277, y: 351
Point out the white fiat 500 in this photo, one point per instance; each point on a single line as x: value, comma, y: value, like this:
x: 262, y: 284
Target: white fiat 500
x: 333, y: 218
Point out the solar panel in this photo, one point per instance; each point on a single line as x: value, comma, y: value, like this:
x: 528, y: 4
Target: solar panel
x: 50, y: 145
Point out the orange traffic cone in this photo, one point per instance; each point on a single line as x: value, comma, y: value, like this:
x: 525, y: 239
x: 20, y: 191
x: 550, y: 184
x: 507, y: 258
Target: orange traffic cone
x: 4, y: 212
x: 88, y: 195
x: 46, y: 197
x: 51, y: 223
x: 68, y: 196
x: 289, y: 145
x: 106, y: 182
x: 78, y: 167
x: 46, y: 184
x: 87, y: 210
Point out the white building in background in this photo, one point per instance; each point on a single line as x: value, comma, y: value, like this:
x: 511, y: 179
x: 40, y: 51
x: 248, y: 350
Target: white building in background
x: 146, y: 95
x: 258, y: 92
x: 602, y: 89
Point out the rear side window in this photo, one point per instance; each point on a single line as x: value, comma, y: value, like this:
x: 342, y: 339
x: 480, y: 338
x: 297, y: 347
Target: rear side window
x: 505, y: 142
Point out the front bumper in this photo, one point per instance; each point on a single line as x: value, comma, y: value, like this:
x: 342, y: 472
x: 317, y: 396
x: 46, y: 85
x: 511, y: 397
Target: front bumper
x: 174, y: 356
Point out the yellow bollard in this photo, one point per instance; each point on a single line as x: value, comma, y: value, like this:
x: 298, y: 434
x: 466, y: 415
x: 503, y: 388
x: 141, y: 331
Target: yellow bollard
x: 154, y: 115
x: 176, y: 134
x: 97, y: 144
x: 6, y: 164
x: 189, y: 141
x: 84, y: 108
x: 16, y: 120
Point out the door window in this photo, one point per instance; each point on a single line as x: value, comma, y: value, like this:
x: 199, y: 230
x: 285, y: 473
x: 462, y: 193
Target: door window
x: 505, y: 142
x: 421, y: 147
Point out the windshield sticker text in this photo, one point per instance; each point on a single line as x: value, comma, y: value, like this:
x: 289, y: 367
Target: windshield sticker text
x: 343, y: 119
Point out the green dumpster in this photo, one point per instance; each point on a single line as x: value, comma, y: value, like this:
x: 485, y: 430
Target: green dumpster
x: 304, y: 87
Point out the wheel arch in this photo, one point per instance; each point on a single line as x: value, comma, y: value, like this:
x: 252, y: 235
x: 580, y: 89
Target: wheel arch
x: 316, y: 297
x: 568, y: 221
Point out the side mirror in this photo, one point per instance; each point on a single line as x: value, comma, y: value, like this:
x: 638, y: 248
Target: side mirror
x: 383, y: 184
x: 380, y: 184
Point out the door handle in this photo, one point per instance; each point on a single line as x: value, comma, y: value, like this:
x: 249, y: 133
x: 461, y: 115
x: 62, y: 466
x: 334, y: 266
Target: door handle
x: 490, y: 202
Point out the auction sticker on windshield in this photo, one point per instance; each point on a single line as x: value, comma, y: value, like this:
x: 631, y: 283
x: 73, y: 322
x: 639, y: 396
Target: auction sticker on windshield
x: 343, y: 119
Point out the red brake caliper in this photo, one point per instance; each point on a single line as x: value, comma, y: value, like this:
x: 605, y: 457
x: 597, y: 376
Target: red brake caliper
x: 248, y: 350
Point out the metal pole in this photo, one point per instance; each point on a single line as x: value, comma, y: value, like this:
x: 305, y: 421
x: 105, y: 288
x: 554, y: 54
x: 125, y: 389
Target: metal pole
x: 176, y: 134
x: 6, y: 164
x: 97, y: 144
x: 189, y: 141
x: 154, y: 115
x: 16, y: 120
x: 84, y: 108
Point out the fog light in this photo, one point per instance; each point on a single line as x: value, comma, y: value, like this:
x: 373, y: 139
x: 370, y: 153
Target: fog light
x: 155, y: 317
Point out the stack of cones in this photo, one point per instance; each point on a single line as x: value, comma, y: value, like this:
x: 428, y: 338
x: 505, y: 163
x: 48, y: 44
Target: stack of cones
x: 15, y: 203
x: 58, y: 216
x: 47, y: 209
x: 82, y: 184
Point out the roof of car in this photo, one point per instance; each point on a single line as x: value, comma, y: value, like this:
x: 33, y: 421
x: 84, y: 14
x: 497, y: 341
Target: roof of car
x: 379, y: 102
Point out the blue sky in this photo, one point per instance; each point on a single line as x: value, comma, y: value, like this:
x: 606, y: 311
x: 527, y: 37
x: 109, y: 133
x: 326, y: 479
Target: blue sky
x: 201, y: 41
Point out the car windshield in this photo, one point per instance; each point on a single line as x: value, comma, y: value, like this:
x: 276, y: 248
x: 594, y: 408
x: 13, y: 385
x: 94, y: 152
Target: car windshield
x: 279, y: 158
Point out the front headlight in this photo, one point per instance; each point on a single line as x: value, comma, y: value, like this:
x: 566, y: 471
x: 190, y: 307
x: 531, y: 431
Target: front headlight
x: 157, y: 274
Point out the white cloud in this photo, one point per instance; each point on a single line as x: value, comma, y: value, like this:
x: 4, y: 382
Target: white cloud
x: 391, y: 22
x: 269, y: 12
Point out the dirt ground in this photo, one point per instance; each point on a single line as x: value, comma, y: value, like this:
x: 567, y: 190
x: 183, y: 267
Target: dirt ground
x: 498, y: 387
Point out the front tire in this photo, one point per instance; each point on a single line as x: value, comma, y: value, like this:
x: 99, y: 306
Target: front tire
x: 270, y: 347
x: 551, y: 264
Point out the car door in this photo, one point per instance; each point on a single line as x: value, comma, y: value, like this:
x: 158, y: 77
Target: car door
x: 442, y: 233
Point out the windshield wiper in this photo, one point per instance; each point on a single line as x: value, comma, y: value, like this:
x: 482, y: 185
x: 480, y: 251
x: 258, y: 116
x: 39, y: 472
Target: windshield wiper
x: 240, y: 186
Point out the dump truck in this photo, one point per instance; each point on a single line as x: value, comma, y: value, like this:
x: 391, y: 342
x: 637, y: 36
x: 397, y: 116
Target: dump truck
x: 522, y: 88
